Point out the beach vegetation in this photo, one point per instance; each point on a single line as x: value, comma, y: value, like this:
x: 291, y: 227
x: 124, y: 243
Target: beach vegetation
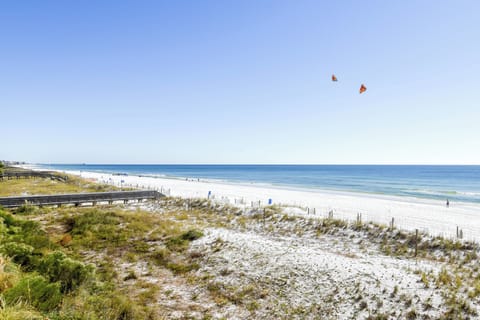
x: 121, y: 262
x: 38, y: 277
x: 19, y: 311
x: 36, y: 291
x: 411, y: 314
x: 26, y: 209
x: 378, y: 316
x: 69, y: 273
x: 41, y: 186
x: 443, y: 278
x: 424, y: 279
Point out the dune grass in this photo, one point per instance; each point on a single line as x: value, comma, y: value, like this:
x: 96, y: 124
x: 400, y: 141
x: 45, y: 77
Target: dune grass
x: 102, y: 262
x: 61, y: 281
x: 62, y: 263
x: 42, y: 186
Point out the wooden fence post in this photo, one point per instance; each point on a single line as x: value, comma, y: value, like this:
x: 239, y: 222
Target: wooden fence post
x: 416, y: 241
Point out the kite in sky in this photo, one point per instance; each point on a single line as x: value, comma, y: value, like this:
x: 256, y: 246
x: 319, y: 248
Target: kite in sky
x: 363, y: 88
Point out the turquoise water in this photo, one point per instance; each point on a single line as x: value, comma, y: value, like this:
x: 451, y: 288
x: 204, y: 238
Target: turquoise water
x: 456, y: 183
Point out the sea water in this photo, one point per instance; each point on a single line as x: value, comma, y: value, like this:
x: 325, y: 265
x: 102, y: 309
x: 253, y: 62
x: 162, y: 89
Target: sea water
x: 456, y: 183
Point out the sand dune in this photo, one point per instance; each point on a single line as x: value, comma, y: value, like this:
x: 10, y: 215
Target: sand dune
x: 431, y: 216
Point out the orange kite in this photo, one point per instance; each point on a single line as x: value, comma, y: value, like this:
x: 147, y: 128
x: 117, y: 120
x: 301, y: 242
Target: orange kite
x: 363, y: 88
x: 334, y: 78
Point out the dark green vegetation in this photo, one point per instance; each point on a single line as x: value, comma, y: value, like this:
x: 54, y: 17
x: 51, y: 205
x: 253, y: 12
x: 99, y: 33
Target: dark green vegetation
x: 51, y: 280
x: 34, y: 271
x: 62, y: 263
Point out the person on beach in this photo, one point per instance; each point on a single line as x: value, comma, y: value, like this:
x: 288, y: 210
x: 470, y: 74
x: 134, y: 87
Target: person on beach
x: 448, y: 203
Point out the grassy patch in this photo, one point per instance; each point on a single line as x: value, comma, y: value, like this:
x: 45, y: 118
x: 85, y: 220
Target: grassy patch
x: 39, y: 278
x: 40, y: 186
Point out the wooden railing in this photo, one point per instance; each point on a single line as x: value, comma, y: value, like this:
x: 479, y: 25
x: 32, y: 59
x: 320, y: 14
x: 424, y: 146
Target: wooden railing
x: 79, y: 198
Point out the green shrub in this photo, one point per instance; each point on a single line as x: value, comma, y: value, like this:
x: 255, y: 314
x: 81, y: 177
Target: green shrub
x: 179, y: 268
x: 3, y: 229
x: 443, y: 278
x: 19, y: 252
x: 70, y: 273
x: 26, y: 209
x: 161, y: 256
x: 7, y: 218
x: 25, y: 231
x: 114, y: 306
x: 92, y: 221
x: 109, y: 305
x: 36, y: 291
x: 19, y: 311
x: 191, y: 235
x: 181, y: 242
x: 177, y: 244
x: 98, y: 229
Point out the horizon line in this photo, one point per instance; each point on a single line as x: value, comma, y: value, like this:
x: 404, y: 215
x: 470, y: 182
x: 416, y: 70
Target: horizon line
x: 260, y: 164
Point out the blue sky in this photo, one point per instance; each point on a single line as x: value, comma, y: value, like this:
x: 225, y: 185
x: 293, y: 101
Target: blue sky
x: 240, y: 81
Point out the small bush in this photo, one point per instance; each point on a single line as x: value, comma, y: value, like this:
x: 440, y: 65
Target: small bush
x: 191, y: 235
x: 7, y: 218
x: 97, y: 229
x: 19, y: 311
x: 179, y: 268
x: 9, y: 274
x: 425, y: 281
x: 411, y: 314
x: 92, y: 221
x: 19, y: 252
x: 161, y: 256
x: 37, y: 291
x: 115, y: 306
x: 130, y: 276
x: 26, y: 209
x: 3, y: 228
x: 443, y: 278
x: 181, y: 242
x: 70, y: 273
x: 24, y: 231
x: 177, y: 244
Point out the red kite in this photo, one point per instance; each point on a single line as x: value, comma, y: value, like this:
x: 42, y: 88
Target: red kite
x: 363, y: 88
x: 334, y: 78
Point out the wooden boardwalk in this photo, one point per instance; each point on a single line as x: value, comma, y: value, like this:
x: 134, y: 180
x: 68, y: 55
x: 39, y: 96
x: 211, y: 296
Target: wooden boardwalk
x: 79, y: 198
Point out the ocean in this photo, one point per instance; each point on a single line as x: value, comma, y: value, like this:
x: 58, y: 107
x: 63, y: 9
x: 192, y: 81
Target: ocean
x: 456, y: 183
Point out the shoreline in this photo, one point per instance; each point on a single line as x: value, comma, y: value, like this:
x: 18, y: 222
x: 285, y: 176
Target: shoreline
x: 430, y: 216
x: 310, y: 189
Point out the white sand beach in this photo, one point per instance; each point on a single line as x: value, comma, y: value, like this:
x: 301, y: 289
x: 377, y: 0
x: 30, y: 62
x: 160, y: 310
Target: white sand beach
x: 409, y: 213
x: 342, y: 273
